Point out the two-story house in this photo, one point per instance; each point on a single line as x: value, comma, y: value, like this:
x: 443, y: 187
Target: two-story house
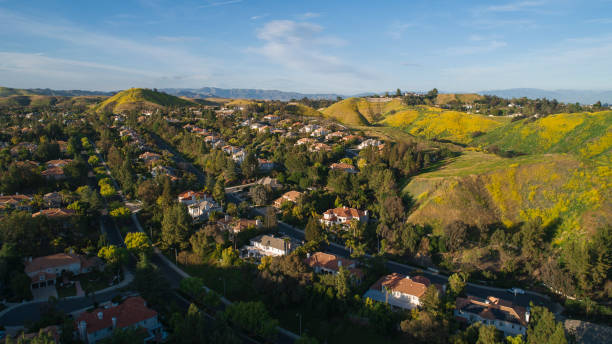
x: 269, y: 245
x: 505, y: 316
x: 399, y: 290
x: 344, y: 215
x: 327, y: 263
x: 43, y: 271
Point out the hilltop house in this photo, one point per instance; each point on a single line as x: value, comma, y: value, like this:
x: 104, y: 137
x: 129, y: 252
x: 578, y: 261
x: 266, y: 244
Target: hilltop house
x: 344, y: 215
x: 18, y: 202
x: 132, y: 313
x: 268, y: 245
x: 505, y: 316
x: 54, y: 173
x: 191, y: 197
x: 399, y: 290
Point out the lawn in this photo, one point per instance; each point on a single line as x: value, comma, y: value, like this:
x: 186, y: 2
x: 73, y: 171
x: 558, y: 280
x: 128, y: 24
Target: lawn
x: 94, y: 281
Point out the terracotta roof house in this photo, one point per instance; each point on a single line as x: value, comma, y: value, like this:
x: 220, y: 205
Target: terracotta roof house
x: 235, y: 226
x: 58, y: 163
x: 132, y: 313
x: 18, y: 202
x: 505, y: 316
x: 53, y: 199
x: 265, y: 165
x: 322, y: 262
x: 344, y: 215
x: 269, y: 245
x: 55, y: 212
x: 305, y: 141
x: 289, y: 196
x: 399, y: 290
x: 334, y: 135
x: 44, y: 270
x: 343, y: 167
x: 53, y: 173
x: 351, y: 138
x: 149, y: 156
x: 319, y: 132
x: 191, y: 197
x: 318, y: 147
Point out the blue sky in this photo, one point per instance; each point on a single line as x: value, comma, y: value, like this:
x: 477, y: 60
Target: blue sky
x: 307, y: 46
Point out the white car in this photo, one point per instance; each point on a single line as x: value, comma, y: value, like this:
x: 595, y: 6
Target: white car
x: 516, y: 291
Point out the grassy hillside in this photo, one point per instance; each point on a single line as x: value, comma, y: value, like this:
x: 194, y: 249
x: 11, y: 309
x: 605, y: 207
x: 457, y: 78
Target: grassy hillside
x: 588, y: 135
x: 139, y: 98
x: 37, y: 101
x: 481, y: 189
x: 360, y: 111
x: 445, y: 98
x: 240, y: 102
x: 7, y: 91
x: 436, y: 123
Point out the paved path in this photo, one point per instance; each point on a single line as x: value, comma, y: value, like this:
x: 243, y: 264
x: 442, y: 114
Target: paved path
x: 79, y: 289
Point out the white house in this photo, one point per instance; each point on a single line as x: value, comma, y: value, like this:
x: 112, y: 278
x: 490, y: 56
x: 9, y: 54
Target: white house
x: 268, y: 245
x: 201, y: 210
x: 505, y: 316
x: 43, y: 271
x: 368, y: 143
x: 399, y: 290
x: 344, y: 215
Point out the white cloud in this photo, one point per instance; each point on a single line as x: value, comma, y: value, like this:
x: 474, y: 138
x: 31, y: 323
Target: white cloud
x: 309, y: 15
x: 514, y: 6
x: 485, y: 47
x: 220, y: 3
x: 397, y: 29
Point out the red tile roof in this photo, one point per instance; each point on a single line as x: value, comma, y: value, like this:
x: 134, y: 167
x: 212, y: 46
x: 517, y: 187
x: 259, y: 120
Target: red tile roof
x: 55, y: 212
x: 330, y: 262
x: 131, y: 311
x: 51, y: 261
x: 346, y: 212
x: 403, y: 284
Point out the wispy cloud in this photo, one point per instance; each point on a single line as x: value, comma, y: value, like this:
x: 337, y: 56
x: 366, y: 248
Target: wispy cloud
x: 261, y: 16
x: 220, y: 3
x: 484, y: 47
x: 177, y: 39
x: 599, y: 21
x: 301, y: 46
x: 516, y: 6
x: 309, y: 15
x: 397, y: 29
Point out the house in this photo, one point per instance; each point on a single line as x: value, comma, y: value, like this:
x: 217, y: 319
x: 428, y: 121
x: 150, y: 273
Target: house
x: 236, y: 226
x: 399, y: 290
x: 58, y: 163
x: 271, y: 118
x: 344, y: 167
x: 305, y: 141
x: 269, y: 245
x: 55, y: 213
x: 350, y: 138
x: 191, y: 197
x: 231, y: 150
x: 54, y: 173
x: 160, y: 170
x: 18, y: 202
x: 200, y: 211
x: 320, y: 147
x: 212, y: 139
x: 334, y: 135
x: 29, y: 146
x: 368, y: 143
x: 344, y: 215
x: 265, y: 165
x: 43, y: 271
x: 53, y: 199
x: 319, y: 132
x: 132, y: 313
x: 149, y: 157
x: 326, y: 263
x: 505, y: 316
x: 239, y: 156
x: 289, y: 196
x: 264, y: 129
x: 309, y: 128
x: 271, y: 182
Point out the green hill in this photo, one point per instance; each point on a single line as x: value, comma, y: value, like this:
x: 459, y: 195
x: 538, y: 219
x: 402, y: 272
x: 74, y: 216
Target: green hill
x: 38, y: 101
x: 7, y: 91
x: 467, y: 98
x: 361, y: 111
x: 588, y: 135
x: 138, y: 99
x: 481, y: 189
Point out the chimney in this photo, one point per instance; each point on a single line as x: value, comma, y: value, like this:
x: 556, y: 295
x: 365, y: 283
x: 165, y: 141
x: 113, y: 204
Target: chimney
x: 100, y: 315
x: 339, y: 263
x: 527, y: 314
x: 227, y: 217
x: 308, y: 255
x: 114, y: 320
x: 257, y: 223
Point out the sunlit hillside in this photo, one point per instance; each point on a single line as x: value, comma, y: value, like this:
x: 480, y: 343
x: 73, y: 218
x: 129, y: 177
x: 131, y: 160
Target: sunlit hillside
x: 139, y: 98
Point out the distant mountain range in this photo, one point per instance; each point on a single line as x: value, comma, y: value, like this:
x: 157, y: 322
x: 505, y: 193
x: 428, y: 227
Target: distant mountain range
x: 566, y: 96
x: 244, y: 93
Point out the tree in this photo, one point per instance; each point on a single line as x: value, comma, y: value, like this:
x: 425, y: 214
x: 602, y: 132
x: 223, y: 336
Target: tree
x: 138, y: 242
x: 343, y: 283
x: 148, y: 191
x: 20, y: 285
x: 114, y: 255
x: 398, y: 93
x: 93, y: 160
x: 176, y: 225
x: 249, y: 165
x: 120, y: 213
x: 424, y: 327
x: 457, y: 282
x: 199, y: 242
x: 544, y: 329
x: 229, y: 257
x: 259, y: 195
x: 430, y: 301
x: 107, y: 191
x: 252, y: 317
x: 270, y: 221
x: 313, y: 231
x: 487, y: 334
x: 193, y: 286
x: 455, y: 233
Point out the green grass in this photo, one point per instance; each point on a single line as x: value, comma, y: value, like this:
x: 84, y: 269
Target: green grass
x: 93, y: 281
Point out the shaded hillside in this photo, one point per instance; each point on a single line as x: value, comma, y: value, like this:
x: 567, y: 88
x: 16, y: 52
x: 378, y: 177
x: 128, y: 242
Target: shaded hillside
x: 587, y: 134
x: 244, y: 93
x: 435, y: 123
x: 38, y: 102
x: 7, y: 91
x: 482, y: 189
x: 138, y: 99
x: 466, y: 98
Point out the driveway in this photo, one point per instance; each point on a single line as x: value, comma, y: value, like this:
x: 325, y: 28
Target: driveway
x: 43, y: 294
